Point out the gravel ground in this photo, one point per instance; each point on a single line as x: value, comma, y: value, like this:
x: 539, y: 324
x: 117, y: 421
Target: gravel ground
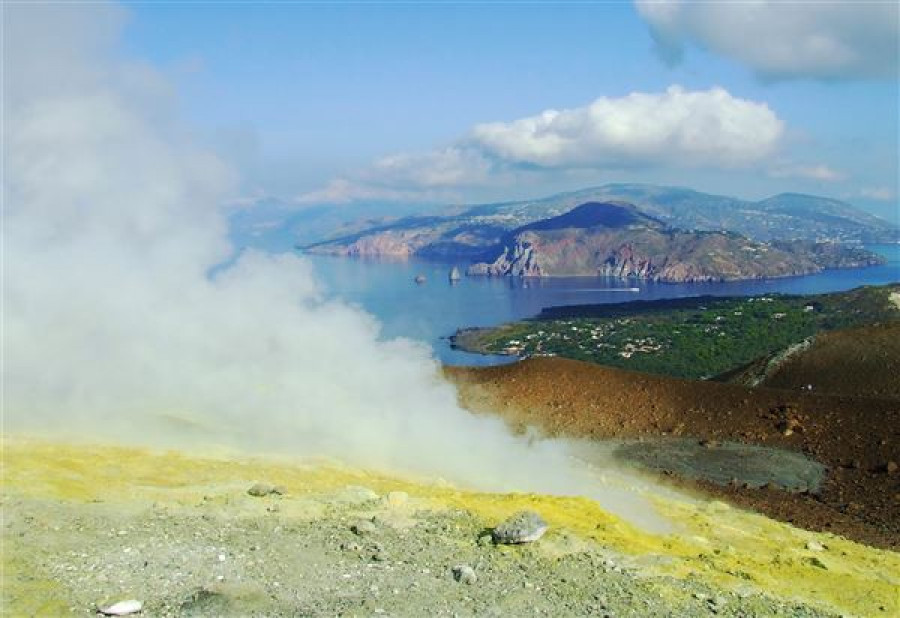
x: 351, y: 553
x: 229, y: 534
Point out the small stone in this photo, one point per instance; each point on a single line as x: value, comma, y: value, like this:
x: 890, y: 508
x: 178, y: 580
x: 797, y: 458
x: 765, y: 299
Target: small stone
x: 363, y: 526
x: 356, y: 494
x: 523, y: 527
x: 464, y: 574
x: 815, y: 546
x: 891, y: 467
x: 789, y: 426
x: 122, y: 608
x: 350, y: 546
x: 816, y: 562
x: 260, y: 490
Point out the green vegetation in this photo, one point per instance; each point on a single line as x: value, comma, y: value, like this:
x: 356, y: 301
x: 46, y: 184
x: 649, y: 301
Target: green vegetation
x: 691, y: 337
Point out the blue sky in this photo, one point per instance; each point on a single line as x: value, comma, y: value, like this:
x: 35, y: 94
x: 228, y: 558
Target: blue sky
x: 298, y: 95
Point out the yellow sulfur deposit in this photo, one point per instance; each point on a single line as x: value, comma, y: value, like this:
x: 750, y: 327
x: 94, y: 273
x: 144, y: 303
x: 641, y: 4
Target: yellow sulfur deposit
x: 724, y: 546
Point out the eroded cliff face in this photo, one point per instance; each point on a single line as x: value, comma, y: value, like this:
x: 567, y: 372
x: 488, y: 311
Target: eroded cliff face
x: 643, y: 253
x: 518, y: 259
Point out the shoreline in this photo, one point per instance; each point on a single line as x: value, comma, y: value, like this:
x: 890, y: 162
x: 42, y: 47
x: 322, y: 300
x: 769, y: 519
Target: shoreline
x: 661, y: 328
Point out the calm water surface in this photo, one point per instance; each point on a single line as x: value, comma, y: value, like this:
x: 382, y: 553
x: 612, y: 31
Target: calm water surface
x: 435, y: 309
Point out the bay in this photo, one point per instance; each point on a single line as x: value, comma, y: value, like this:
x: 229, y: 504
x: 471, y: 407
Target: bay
x: 432, y: 310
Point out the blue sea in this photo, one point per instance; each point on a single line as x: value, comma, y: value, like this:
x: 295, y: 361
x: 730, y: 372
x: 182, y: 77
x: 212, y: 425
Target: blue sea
x: 433, y: 310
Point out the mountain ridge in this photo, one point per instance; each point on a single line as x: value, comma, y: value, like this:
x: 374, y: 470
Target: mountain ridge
x: 470, y: 231
x: 615, y: 239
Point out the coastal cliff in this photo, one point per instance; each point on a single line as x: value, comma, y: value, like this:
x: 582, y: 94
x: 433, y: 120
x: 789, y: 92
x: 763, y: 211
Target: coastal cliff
x: 614, y: 239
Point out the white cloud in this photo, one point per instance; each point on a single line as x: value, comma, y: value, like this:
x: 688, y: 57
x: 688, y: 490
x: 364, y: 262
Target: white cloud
x: 783, y: 40
x: 882, y: 194
x: 447, y: 167
x: 433, y: 176
x: 819, y: 172
x: 676, y: 128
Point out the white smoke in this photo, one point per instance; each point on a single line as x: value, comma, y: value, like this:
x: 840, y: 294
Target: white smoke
x: 114, y: 328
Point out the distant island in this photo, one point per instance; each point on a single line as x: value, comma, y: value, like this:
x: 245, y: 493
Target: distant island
x: 610, y: 238
x: 472, y: 231
x: 614, y: 239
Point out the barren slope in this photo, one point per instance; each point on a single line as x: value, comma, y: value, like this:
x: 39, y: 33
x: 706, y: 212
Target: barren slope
x: 861, y: 362
x: 854, y: 437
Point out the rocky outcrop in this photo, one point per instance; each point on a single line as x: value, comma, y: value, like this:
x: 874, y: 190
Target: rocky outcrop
x: 648, y: 255
x: 518, y: 259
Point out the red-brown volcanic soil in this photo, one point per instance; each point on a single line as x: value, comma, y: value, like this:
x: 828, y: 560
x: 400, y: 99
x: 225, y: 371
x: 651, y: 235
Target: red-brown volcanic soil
x: 855, y: 361
x: 855, y: 437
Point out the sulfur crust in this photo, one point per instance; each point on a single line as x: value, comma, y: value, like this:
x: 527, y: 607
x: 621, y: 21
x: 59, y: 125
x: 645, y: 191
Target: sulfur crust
x: 714, y: 543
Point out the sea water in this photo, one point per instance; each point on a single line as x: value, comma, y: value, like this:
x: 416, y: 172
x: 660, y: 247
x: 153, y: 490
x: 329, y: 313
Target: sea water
x: 432, y: 310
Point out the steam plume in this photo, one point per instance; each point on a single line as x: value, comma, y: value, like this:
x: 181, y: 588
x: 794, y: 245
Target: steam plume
x: 116, y: 330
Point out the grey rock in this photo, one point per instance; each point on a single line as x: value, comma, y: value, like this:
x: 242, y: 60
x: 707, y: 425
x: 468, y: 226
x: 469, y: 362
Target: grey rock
x: 261, y: 490
x: 815, y: 546
x: 379, y: 556
x: 122, y: 608
x: 464, y: 574
x: 816, y: 562
x: 363, y: 527
x: 355, y: 494
x: 523, y: 527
